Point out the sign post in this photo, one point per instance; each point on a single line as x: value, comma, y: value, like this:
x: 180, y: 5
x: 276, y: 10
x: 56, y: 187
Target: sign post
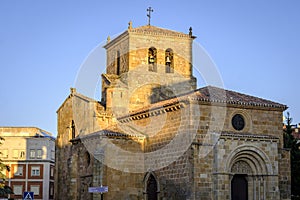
x: 28, y: 195
x: 101, y: 189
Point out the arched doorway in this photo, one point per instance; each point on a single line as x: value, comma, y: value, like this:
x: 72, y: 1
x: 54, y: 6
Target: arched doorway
x: 249, y: 166
x: 151, y: 188
x: 239, y: 187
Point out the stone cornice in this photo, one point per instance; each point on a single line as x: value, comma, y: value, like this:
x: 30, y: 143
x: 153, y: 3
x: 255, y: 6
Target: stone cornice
x: 116, y: 40
x: 146, y: 113
x: 108, y: 134
x: 148, y: 30
x: 156, y: 31
x: 226, y: 103
x: 248, y: 137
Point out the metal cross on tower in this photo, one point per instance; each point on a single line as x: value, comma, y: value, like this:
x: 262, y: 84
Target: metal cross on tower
x: 149, y: 10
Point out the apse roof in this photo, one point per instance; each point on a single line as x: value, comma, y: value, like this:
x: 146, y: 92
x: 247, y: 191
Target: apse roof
x: 213, y: 95
x: 219, y: 95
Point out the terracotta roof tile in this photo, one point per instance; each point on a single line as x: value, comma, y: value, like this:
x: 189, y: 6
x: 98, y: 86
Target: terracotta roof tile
x: 211, y: 94
x: 110, y: 77
x: 218, y: 95
x: 113, y: 131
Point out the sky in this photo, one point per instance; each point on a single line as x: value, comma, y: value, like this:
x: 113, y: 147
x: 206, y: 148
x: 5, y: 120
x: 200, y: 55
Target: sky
x: 255, y: 46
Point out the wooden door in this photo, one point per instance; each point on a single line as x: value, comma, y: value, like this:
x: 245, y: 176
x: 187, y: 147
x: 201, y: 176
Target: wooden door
x: 151, y: 188
x: 239, y: 187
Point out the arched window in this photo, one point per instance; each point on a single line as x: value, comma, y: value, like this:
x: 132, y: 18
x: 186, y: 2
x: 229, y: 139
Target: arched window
x: 87, y: 159
x: 73, y: 129
x: 152, y: 60
x: 169, y: 61
x: 118, y: 63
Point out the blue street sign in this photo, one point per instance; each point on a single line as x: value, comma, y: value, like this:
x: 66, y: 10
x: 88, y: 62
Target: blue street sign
x: 28, y: 195
x: 101, y: 189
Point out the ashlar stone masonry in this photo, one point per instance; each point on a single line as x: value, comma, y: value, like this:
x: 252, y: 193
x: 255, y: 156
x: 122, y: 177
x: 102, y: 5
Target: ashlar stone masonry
x: 153, y: 135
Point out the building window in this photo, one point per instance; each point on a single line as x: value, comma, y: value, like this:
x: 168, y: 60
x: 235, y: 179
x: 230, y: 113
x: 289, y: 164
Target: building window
x: 87, y: 158
x: 51, y: 171
x: 32, y: 153
x: 118, y: 63
x: 35, y: 171
x: 15, y: 153
x: 18, y: 153
x: 51, y: 192
x: 39, y: 153
x: 4, y: 153
x: 35, y: 189
x: 22, y: 154
x: 152, y: 60
x: 18, y: 189
x: 73, y: 129
x: 18, y: 170
x: 238, y: 122
x: 52, y: 155
x: 169, y: 61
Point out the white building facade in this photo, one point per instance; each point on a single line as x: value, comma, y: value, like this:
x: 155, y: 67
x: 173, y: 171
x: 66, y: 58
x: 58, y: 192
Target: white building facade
x: 30, y: 154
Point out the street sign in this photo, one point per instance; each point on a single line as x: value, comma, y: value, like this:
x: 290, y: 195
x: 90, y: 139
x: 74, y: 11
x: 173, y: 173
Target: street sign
x: 28, y: 195
x: 101, y: 189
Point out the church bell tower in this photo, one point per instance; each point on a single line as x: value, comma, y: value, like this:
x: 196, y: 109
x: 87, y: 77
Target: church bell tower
x: 145, y: 65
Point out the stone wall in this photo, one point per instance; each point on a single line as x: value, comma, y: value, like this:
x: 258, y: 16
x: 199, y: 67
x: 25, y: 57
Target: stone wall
x: 137, y: 86
x: 203, y: 170
x: 86, y: 169
x: 260, y: 154
x: 88, y: 117
x: 145, y: 128
x: 285, y: 173
x: 181, y: 46
x: 216, y: 140
x: 118, y: 47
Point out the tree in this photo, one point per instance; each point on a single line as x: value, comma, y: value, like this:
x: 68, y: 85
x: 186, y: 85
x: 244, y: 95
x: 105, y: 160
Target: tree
x: 288, y: 132
x: 4, y: 189
x: 293, y: 144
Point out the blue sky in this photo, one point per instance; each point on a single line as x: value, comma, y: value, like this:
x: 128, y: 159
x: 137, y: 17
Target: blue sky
x: 254, y: 44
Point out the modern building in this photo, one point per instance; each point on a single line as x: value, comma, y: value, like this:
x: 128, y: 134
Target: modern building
x: 154, y: 135
x: 30, y: 154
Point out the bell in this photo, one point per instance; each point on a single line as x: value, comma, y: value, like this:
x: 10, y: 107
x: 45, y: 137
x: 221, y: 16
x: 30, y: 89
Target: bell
x: 168, y: 59
x: 151, y: 59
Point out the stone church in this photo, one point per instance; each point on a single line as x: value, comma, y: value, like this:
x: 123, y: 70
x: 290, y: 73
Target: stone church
x: 154, y: 136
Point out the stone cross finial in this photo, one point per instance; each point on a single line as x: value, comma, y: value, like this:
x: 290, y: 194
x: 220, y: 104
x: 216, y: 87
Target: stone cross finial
x: 73, y: 90
x: 191, y: 31
x: 130, y: 25
x: 149, y: 14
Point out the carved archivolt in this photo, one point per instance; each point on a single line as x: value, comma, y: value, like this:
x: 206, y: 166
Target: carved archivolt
x: 241, y: 167
x: 248, y: 158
